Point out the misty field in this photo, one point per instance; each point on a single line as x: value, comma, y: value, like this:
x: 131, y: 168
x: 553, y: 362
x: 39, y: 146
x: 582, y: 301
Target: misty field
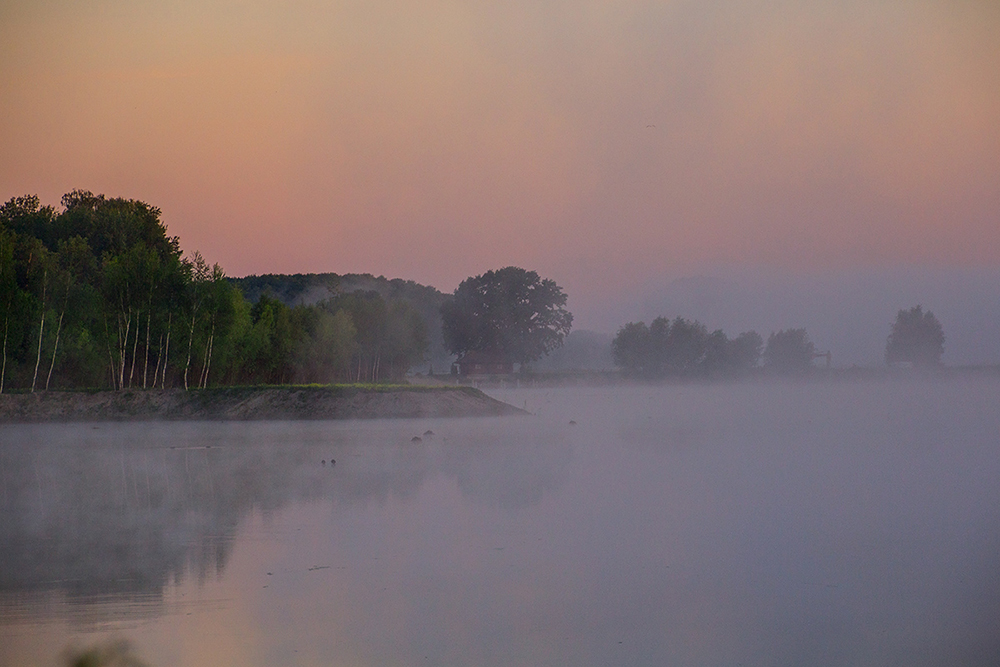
x: 719, y: 524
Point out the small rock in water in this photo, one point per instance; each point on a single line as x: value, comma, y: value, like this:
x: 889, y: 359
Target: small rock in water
x: 572, y: 422
x: 416, y: 438
x: 428, y: 432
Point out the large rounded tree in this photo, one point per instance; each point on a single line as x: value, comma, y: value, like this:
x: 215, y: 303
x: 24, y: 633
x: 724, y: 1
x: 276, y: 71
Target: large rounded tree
x: 510, y: 313
x: 916, y: 337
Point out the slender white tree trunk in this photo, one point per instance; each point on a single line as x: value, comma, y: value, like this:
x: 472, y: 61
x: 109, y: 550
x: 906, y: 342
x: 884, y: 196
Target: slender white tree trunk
x: 55, y: 347
x: 111, y: 357
x: 38, y: 358
x: 208, y: 358
x: 187, y: 365
x: 145, y: 366
x: 3, y: 369
x: 166, y: 353
x: 135, y: 348
x: 204, y: 362
x: 159, y: 358
x: 123, y: 350
x: 41, y: 331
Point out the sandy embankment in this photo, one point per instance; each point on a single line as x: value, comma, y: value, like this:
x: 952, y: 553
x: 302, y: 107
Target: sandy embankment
x: 251, y: 403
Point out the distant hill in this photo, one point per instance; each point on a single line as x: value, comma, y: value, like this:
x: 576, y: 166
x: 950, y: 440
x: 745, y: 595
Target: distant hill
x: 309, y: 288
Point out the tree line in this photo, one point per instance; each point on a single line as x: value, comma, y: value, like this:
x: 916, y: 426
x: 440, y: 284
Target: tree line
x: 685, y: 348
x: 98, y: 295
x: 312, y: 288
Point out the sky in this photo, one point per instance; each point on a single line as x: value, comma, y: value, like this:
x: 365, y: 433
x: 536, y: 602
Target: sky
x: 614, y: 146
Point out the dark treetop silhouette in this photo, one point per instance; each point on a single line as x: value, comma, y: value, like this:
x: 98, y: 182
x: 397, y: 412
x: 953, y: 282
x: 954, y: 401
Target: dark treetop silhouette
x: 916, y: 337
x: 511, y: 313
x: 683, y: 348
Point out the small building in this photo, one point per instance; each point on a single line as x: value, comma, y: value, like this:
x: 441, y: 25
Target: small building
x: 476, y: 362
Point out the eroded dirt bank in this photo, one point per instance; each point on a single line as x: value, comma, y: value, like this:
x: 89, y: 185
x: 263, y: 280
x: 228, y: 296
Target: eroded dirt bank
x: 251, y: 403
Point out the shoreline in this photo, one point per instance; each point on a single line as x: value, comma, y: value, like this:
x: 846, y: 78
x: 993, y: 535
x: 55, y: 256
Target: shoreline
x: 617, y: 378
x: 251, y: 404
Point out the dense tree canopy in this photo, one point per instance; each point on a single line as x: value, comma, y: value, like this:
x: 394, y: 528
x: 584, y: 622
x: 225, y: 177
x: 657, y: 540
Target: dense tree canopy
x: 683, y: 348
x: 313, y: 288
x: 789, y: 351
x: 98, y: 295
x: 511, y: 313
x: 916, y: 337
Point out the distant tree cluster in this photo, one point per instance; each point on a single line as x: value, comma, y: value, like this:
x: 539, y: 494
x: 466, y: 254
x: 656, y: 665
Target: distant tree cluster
x: 683, y: 348
x: 304, y: 289
x: 916, y: 338
x: 98, y: 295
x: 789, y: 352
x: 356, y: 337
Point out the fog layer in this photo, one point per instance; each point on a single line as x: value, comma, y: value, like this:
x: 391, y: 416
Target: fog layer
x: 757, y: 523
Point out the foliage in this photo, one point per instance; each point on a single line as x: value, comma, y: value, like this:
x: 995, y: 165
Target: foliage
x: 310, y: 289
x: 98, y: 295
x: 683, y: 348
x: 916, y: 337
x: 509, y: 312
x: 631, y: 349
x: 789, y: 351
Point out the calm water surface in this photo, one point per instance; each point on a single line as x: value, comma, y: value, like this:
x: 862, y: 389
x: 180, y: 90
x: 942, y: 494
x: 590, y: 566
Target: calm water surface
x: 837, y: 524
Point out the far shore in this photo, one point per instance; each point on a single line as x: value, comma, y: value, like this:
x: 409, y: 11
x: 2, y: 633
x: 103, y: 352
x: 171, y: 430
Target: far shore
x: 617, y: 377
x: 311, y: 402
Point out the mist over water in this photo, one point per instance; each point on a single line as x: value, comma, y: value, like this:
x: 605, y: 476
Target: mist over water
x: 746, y: 523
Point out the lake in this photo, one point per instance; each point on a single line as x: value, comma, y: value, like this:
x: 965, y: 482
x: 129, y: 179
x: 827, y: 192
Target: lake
x: 724, y: 524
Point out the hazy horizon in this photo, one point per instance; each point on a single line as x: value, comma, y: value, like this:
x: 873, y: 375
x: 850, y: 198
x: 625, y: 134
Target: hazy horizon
x: 848, y: 313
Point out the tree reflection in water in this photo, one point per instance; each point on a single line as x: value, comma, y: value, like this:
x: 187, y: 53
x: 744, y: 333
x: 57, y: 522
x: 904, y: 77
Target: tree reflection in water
x: 122, y: 510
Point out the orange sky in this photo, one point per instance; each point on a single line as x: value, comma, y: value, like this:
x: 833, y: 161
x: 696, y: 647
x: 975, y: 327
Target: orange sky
x: 602, y: 143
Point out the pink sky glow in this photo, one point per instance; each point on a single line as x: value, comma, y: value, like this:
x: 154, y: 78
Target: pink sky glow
x: 603, y: 143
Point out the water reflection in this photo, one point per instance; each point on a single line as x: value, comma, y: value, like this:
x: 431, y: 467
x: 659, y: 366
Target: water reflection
x: 118, y: 512
x: 824, y: 524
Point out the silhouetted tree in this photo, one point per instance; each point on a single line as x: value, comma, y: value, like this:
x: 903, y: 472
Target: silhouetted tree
x: 916, y: 337
x: 745, y: 350
x: 789, y: 351
x: 683, y: 348
x: 510, y: 312
x: 630, y: 348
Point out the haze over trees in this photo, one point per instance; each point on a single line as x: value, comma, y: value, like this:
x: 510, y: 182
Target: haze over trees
x: 916, y: 337
x: 789, y: 351
x: 582, y: 350
x: 98, y: 295
x: 683, y: 348
x: 311, y: 289
x: 510, y: 313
